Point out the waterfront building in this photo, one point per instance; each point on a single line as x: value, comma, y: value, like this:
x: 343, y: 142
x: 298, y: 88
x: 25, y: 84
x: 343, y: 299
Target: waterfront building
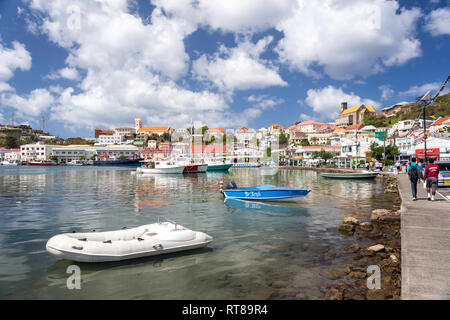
x: 35, y: 152
x: 115, y: 151
x: 65, y: 154
x: 304, y: 154
x: 149, y: 154
x: 353, y: 116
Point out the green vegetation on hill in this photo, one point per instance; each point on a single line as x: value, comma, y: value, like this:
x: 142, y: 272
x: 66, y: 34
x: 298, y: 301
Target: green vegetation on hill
x: 441, y: 107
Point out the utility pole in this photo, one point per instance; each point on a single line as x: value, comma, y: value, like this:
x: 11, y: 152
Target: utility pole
x: 427, y: 100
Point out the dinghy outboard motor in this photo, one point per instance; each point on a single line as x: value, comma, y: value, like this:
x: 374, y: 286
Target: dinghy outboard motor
x: 231, y: 185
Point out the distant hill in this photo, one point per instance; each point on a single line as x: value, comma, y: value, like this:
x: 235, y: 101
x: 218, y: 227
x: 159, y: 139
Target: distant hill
x: 441, y: 107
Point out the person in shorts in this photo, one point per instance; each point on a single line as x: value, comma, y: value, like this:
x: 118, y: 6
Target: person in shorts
x: 431, y: 176
x: 414, y: 176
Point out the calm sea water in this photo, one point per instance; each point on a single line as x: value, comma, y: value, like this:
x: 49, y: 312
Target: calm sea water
x: 255, y: 245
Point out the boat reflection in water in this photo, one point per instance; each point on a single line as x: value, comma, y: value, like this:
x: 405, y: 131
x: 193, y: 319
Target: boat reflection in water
x: 275, y: 208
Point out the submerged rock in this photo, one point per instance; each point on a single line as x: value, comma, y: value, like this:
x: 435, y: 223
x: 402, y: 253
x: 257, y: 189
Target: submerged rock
x: 352, y: 249
x: 347, y: 229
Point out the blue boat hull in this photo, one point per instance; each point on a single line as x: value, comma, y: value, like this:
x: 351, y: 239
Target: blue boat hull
x: 265, y: 193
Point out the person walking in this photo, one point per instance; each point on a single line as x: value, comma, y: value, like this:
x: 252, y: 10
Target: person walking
x: 431, y: 175
x: 398, y: 166
x: 413, y: 173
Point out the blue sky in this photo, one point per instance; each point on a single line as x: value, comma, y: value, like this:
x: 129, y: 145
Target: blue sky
x: 93, y: 63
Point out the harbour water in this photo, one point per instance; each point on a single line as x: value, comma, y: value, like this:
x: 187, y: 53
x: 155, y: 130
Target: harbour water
x: 270, y: 250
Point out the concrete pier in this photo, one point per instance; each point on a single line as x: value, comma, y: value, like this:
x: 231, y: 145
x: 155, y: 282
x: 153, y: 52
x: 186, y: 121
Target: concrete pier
x: 425, y: 233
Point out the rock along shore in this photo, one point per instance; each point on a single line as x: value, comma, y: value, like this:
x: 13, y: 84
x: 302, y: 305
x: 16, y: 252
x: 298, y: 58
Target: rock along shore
x: 376, y: 242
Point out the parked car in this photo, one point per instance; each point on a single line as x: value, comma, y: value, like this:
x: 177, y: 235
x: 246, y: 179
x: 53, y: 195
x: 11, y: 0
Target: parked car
x: 444, y: 173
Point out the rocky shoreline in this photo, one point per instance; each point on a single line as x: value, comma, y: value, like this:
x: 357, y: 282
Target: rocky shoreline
x: 376, y: 242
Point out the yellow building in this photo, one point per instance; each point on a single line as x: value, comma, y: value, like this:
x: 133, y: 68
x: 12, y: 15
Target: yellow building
x: 353, y: 116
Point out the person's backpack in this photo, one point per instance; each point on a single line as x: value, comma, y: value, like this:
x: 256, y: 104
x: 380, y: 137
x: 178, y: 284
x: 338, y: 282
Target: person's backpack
x: 414, y: 173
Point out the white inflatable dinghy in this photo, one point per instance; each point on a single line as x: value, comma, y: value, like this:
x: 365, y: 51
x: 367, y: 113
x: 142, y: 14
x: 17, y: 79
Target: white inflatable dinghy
x: 143, y: 241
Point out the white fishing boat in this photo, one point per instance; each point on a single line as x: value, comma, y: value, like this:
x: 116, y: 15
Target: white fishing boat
x: 147, y: 240
x: 75, y: 163
x: 192, y: 165
x: 9, y: 163
x: 159, y: 167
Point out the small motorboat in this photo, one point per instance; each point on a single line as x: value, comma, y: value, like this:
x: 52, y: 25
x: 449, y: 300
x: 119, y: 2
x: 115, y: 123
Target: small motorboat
x: 10, y: 163
x: 148, y: 240
x: 159, y: 167
x: 75, y: 163
x: 351, y: 175
x: 266, y: 192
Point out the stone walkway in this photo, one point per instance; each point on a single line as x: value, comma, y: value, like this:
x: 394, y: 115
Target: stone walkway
x: 425, y: 232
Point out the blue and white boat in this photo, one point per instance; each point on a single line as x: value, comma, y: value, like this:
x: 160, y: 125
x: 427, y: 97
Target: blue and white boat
x: 267, y: 192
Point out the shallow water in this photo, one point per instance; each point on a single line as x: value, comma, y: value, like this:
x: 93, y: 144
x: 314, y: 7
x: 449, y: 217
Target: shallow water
x: 255, y: 244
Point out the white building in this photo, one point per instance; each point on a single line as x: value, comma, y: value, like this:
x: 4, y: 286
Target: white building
x: 109, y: 139
x: 125, y: 131
x: 65, y: 154
x: 35, y: 152
x: 404, y: 127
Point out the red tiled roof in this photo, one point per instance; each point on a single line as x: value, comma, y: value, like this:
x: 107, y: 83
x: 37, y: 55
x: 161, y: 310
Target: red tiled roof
x: 355, y: 127
x: 222, y: 130
x: 440, y: 121
x: 154, y: 129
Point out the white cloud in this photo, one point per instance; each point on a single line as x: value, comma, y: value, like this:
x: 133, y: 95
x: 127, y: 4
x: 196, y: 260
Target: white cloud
x: 239, y: 68
x: 326, y: 102
x: 386, y: 92
x: 438, y: 22
x: 264, y: 101
x: 66, y: 73
x: 12, y: 59
x: 348, y: 38
x: 419, y: 91
x: 230, y: 15
x: 130, y: 66
x: 33, y: 104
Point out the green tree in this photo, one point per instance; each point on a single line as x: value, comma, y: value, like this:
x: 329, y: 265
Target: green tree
x: 269, y: 151
x: 377, y: 151
x: 11, y: 142
x: 282, y: 139
x: 122, y: 157
x: 304, y: 142
x: 94, y: 156
x: 166, y: 137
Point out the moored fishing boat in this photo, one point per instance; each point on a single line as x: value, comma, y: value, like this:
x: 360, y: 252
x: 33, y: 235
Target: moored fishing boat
x: 266, y: 192
x: 218, y: 164
x: 160, y: 167
x: 147, y: 240
x: 10, y: 163
x: 351, y: 175
x: 41, y: 163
